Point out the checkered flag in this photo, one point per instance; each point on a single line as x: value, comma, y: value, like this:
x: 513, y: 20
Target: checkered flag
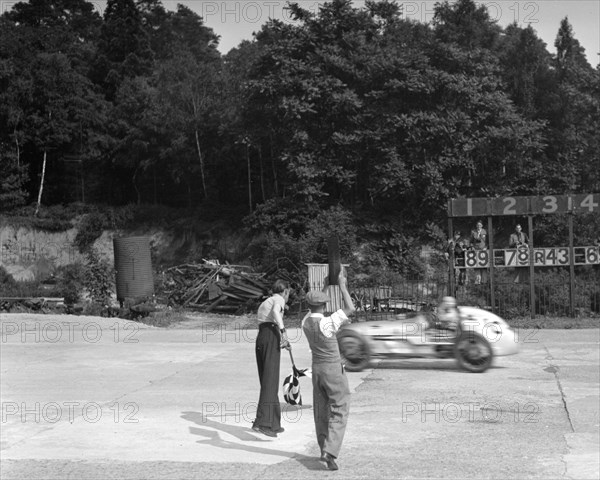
x: 291, y: 384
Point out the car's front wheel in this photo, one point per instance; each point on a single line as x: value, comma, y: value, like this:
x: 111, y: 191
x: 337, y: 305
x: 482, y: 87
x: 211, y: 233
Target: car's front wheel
x: 473, y: 352
x: 354, y: 350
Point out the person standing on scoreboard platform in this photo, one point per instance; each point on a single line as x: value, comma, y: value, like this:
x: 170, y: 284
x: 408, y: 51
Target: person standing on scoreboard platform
x: 456, y: 247
x: 519, y: 240
x: 479, y: 242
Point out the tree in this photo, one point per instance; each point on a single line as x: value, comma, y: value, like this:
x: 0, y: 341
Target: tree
x: 526, y: 70
x: 574, y: 117
x: 382, y: 112
x: 569, y: 52
x: 15, y: 91
x: 61, y: 23
x: 14, y: 177
x: 187, y: 77
x: 48, y: 100
x: 188, y: 92
x: 63, y: 106
x: 123, y: 47
x: 231, y: 152
x: 138, y: 132
x: 465, y: 24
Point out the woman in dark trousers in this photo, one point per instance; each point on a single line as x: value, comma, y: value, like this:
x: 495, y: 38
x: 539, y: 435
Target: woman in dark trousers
x: 271, y: 338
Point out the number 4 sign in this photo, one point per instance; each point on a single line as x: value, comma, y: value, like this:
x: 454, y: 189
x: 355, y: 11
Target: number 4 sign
x: 586, y: 203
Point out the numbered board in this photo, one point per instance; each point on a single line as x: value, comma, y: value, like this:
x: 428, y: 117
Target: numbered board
x: 544, y: 205
x: 542, y: 257
x: 586, y: 255
x: 475, y: 259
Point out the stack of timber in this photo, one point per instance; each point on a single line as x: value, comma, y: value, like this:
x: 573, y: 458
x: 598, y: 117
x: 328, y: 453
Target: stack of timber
x: 24, y: 304
x: 211, y: 287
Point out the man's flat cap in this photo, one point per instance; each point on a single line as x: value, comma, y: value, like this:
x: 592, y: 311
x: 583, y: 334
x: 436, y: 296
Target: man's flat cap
x: 316, y: 298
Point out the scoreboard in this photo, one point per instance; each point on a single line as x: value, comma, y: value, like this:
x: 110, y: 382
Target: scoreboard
x: 527, y: 257
x: 542, y: 257
x: 542, y: 205
x: 547, y: 204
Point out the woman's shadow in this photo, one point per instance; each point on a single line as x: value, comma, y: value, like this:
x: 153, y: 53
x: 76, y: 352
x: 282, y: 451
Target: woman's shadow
x: 249, y: 440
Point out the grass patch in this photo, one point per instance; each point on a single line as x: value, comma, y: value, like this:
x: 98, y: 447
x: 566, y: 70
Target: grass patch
x: 555, y: 322
x: 163, y: 318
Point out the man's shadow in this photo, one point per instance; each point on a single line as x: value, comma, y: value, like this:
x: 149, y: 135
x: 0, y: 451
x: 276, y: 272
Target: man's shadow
x: 249, y: 440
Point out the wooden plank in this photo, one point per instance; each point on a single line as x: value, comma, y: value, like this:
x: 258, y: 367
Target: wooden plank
x: 233, y: 295
x: 222, y: 298
x: 260, y: 284
x: 201, y: 289
x: 245, y: 288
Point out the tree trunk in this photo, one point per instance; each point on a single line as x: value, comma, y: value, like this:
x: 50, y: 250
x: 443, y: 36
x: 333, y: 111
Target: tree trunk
x: 201, y: 162
x: 189, y: 194
x: 39, y: 199
x: 249, y: 178
x: 18, y: 147
x: 276, y: 185
x: 82, y: 182
x: 137, y: 190
x: 262, y: 175
x: 154, y: 184
x: 195, y: 107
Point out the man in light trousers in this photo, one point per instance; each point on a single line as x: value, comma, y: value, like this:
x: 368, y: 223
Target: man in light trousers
x: 331, y: 393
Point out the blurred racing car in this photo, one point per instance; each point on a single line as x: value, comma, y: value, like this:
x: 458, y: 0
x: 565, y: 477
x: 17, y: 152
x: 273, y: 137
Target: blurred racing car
x: 474, y: 340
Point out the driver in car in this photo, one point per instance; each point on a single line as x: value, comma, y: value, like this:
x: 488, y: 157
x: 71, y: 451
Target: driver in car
x: 448, y: 314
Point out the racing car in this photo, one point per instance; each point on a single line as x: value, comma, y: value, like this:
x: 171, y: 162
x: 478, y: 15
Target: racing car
x: 474, y: 340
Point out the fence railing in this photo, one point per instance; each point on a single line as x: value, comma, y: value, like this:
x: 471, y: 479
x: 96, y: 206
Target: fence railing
x: 387, y: 301
x: 511, y: 300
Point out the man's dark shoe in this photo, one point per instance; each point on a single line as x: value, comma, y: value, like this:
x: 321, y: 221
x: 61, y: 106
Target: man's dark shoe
x: 330, y: 460
x: 265, y: 431
x: 279, y: 430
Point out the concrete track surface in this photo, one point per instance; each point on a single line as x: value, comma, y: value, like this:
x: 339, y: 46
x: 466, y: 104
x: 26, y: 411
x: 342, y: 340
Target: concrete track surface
x: 95, y: 398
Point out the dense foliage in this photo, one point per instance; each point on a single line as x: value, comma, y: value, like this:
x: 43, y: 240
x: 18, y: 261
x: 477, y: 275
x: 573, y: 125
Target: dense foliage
x: 353, y: 119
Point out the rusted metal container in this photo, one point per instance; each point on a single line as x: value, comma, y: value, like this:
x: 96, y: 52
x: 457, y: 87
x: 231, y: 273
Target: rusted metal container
x: 133, y: 264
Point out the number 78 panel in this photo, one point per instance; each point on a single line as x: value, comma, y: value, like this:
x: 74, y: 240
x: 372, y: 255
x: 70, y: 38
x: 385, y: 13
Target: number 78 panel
x: 547, y: 257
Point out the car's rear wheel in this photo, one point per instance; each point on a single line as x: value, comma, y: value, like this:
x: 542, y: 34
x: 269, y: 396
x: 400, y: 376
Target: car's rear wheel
x: 473, y: 352
x: 354, y: 349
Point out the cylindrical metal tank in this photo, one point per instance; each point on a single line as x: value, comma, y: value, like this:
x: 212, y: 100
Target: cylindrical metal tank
x: 133, y: 264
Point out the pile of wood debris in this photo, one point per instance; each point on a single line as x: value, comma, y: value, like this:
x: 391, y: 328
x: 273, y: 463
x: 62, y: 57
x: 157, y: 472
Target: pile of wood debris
x: 32, y: 304
x: 211, y: 287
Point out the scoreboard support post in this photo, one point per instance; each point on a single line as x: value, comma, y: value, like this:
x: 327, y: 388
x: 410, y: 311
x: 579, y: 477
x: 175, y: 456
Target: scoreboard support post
x: 571, y: 269
x: 491, y: 264
x: 531, y: 268
x: 451, y: 260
